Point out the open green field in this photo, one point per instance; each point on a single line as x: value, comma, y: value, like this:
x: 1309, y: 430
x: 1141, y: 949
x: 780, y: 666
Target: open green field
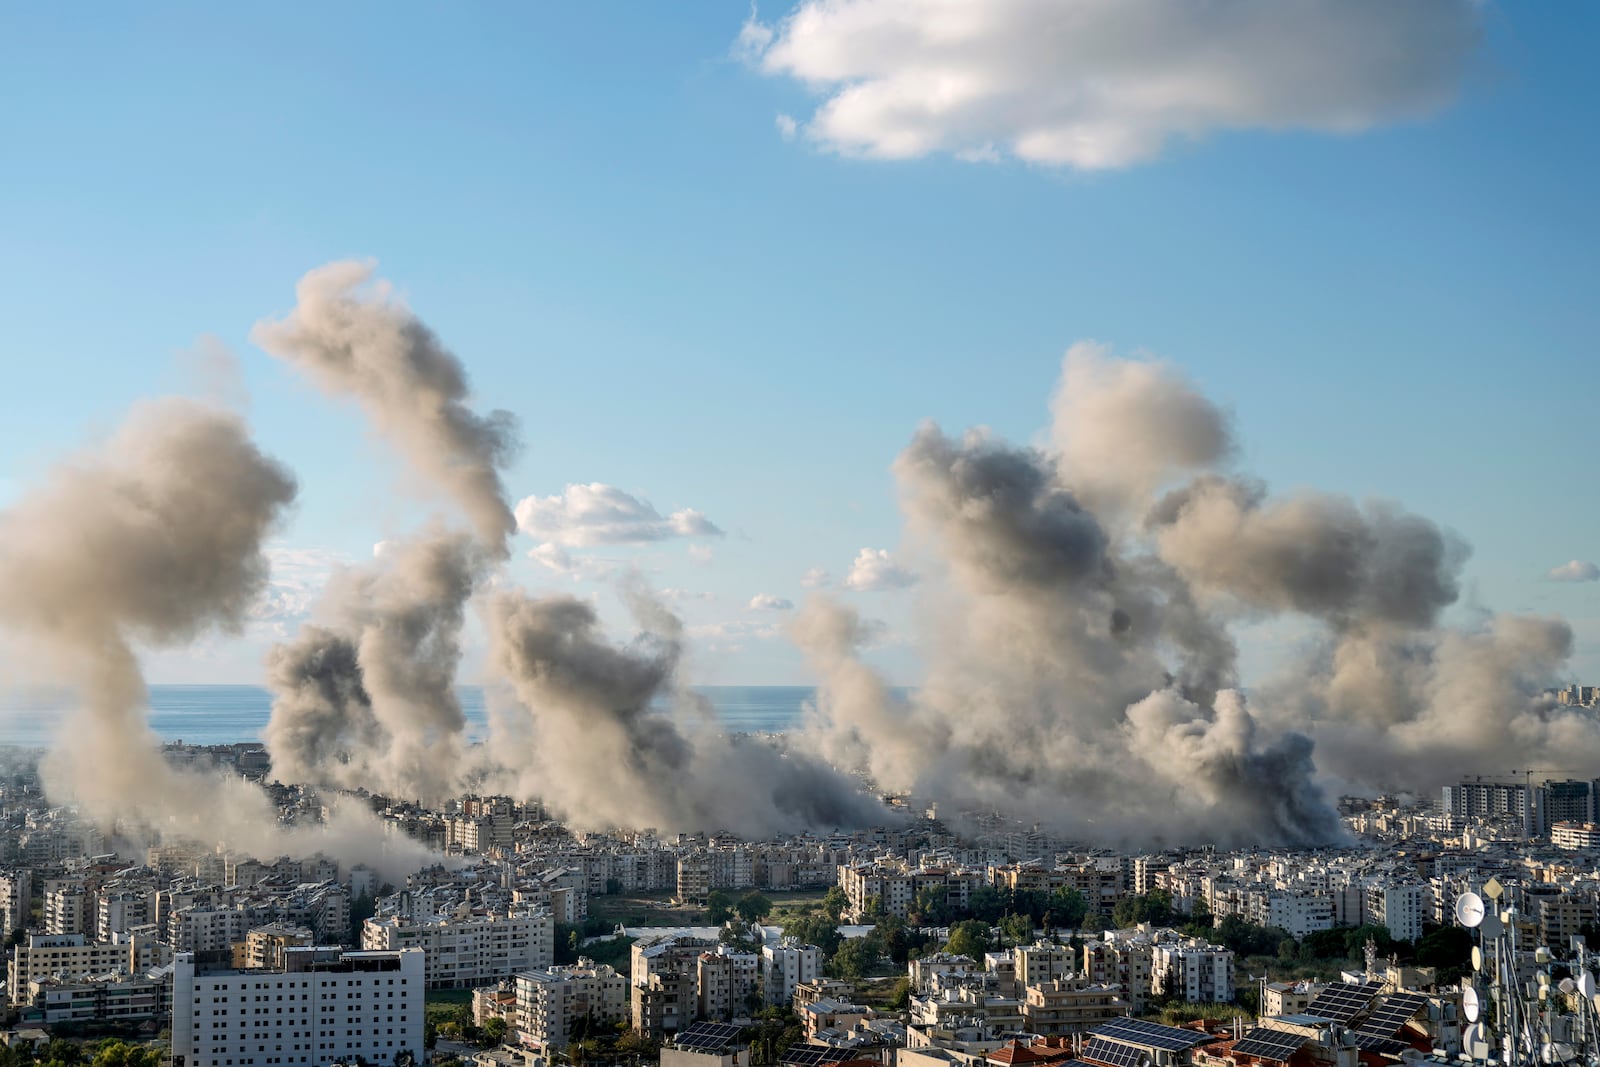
x: 657, y: 909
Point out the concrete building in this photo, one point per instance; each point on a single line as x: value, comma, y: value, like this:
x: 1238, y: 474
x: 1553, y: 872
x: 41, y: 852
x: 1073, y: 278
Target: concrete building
x: 1070, y: 1006
x: 16, y: 895
x: 466, y: 948
x: 551, y: 1001
x: 1575, y: 836
x: 1042, y: 962
x: 325, y: 1006
x: 123, y: 998
x: 264, y: 947
x: 71, y: 956
x: 1121, y: 961
x: 1192, y: 971
x: 1401, y: 908
x: 784, y: 966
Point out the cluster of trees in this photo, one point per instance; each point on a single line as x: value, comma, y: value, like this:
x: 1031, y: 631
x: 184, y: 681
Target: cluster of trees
x: 1064, y: 908
x: 751, y: 908
x: 111, y: 1052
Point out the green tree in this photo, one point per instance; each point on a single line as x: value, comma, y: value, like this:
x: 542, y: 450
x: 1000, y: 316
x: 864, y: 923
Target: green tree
x: 969, y: 938
x: 1017, y: 929
x: 753, y: 907
x: 121, y: 1054
x: 1068, y: 908
x: 494, y: 1029
x: 855, y: 958
x: 834, y: 902
x: 719, y: 907
x: 816, y: 930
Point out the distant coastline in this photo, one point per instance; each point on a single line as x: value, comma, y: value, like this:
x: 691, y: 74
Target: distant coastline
x: 222, y: 714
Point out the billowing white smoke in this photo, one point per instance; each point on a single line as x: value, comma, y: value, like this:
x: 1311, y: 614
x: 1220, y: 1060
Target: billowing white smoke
x: 1082, y: 669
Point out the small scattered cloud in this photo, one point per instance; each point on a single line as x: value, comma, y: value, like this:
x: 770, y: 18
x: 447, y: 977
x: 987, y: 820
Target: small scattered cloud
x: 600, y: 514
x: 875, y: 570
x: 787, y: 126
x: 295, y: 583
x: 701, y: 553
x: 577, y: 567
x: 816, y: 578
x: 1575, y: 570
x: 673, y: 595
x: 1095, y: 85
x: 768, y: 602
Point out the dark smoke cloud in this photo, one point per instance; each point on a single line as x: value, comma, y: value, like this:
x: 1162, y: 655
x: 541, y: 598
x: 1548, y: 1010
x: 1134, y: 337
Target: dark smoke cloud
x: 1082, y: 669
x: 365, y: 343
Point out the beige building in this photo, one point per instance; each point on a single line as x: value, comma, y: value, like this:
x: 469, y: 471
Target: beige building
x: 1070, y: 1007
x: 550, y: 1002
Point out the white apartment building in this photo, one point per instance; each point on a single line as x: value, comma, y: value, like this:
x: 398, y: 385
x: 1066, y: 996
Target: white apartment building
x: 786, y: 965
x: 1399, y: 907
x: 16, y: 887
x: 550, y: 1001
x: 72, y: 956
x: 326, y: 1006
x: 66, y: 908
x: 1192, y: 971
x: 1298, y: 911
x: 1042, y: 962
x: 463, y: 949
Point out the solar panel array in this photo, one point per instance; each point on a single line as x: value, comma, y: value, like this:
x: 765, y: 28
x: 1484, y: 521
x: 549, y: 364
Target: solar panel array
x: 712, y: 1037
x: 1114, y: 1053
x: 1393, y: 1013
x: 1342, y: 1001
x: 1150, y: 1035
x: 813, y: 1056
x: 1270, y: 1044
x: 1383, y: 1046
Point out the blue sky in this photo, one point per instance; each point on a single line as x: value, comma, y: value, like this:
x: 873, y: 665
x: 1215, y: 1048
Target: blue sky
x: 596, y: 208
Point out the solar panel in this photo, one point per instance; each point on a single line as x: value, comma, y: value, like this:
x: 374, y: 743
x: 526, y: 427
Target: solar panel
x: 1343, y: 1001
x: 813, y: 1056
x: 1270, y: 1044
x: 708, y: 1036
x: 1113, y: 1053
x: 1387, y: 1019
x: 1383, y: 1046
x: 1150, y: 1035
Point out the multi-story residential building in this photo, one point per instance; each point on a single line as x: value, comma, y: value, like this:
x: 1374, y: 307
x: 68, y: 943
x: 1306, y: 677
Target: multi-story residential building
x: 1575, y: 836
x: 784, y: 966
x: 1041, y: 962
x: 120, y: 910
x: 336, y: 1006
x: 16, y: 894
x: 895, y: 887
x: 1299, y: 911
x: 465, y: 948
x: 264, y: 947
x: 1400, y: 907
x: 1070, y: 1006
x: 1121, y: 961
x: 1562, y: 917
x: 726, y: 983
x: 550, y: 1001
x: 121, y: 998
x: 69, y: 956
x: 66, y: 907
x: 1192, y: 970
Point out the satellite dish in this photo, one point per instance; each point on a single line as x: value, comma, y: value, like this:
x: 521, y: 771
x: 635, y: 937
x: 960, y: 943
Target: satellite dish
x: 1586, y: 985
x: 1469, y: 1037
x: 1477, y: 958
x: 1469, y: 910
x: 1492, y: 926
x: 1567, y: 985
x: 1470, y: 1005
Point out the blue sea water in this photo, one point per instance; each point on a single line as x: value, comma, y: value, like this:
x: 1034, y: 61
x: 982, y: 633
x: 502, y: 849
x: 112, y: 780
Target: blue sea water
x: 222, y: 714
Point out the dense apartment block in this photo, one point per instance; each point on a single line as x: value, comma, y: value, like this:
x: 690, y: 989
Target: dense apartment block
x: 325, y: 1006
x: 550, y: 1001
x: 466, y: 948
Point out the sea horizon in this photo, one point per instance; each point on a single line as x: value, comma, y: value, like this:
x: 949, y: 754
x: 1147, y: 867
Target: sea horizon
x: 215, y: 714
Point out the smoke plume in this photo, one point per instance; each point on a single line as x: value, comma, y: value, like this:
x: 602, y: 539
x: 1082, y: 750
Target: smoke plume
x: 153, y: 540
x: 602, y: 751
x: 1082, y: 663
x: 365, y: 343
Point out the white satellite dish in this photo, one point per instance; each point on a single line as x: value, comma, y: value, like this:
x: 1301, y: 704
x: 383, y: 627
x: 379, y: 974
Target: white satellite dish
x: 1586, y: 985
x: 1567, y: 985
x: 1477, y: 958
x: 1469, y: 910
x: 1471, y: 1036
x: 1469, y: 1004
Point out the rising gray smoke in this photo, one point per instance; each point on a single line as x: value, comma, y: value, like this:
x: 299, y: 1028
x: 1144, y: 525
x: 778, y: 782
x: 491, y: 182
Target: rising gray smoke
x: 364, y: 343
x: 367, y: 697
x: 603, y: 753
x: 1082, y: 670
x: 154, y: 539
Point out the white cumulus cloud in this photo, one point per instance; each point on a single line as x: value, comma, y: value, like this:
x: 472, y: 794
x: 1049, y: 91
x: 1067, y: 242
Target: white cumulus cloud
x: 816, y: 578
x: 599, y: 514
x: 875, y: 570
x: 1096, y: 84
x: 1575, y: 570
x: 768, y: 602
x: 577, y: 567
